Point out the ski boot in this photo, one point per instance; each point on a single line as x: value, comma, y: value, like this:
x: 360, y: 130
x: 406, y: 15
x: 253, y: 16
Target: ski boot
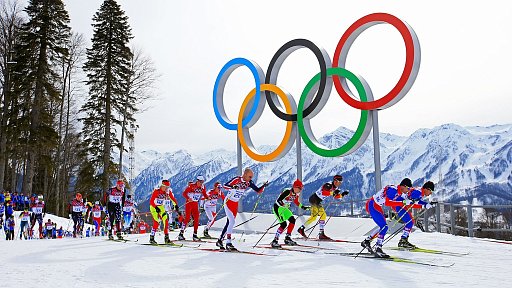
x: 367, y: 245
x: 404, y: 243
x: 167, y: 240
x: 119, y: 236
x: 288, y: 241
x: 206, y: 235
x: 301, y: 231
x: 230, y: 247
x: 195, y: 238
x: 322, y: 236
x: 380, y: 254
x: 219, y: 244
x: 110, y: 237
x: 275, y: 244
x: 180, y: 236
x: 152, y: 239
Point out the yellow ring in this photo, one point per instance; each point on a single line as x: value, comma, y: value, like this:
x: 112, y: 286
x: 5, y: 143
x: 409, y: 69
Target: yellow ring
x: 289, y: 124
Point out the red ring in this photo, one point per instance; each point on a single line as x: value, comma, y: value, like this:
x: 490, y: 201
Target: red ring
x: 409, y: 61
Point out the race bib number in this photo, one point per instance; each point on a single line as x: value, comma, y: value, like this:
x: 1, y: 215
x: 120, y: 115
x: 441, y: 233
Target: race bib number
x: 196, y: 196
x: 127, y: 209
x: 114, y: 199
x: 159, y: 202
x: 77, y: 208
x: 380, y: 197
x: 49, y: 227
x: 96, y: 214
x: 319, y: 194
x: 25, y: 218
x: 237, y: 195
x: 37, y: 210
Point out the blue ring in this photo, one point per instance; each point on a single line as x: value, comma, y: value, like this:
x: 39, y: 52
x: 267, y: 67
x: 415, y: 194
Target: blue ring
x: 238, y: 62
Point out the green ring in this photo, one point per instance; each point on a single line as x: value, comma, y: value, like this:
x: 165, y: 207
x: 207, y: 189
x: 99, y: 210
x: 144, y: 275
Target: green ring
x: 362, y: 121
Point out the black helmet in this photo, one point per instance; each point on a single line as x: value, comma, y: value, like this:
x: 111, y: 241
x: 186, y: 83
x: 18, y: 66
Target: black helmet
x: 406, y: 182
x: 428, y: 185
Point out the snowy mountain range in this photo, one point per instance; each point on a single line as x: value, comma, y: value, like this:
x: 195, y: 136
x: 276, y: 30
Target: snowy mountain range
x: 468, y: 164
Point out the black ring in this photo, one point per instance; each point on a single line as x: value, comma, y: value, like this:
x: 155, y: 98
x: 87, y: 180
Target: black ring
x: 299, y: 43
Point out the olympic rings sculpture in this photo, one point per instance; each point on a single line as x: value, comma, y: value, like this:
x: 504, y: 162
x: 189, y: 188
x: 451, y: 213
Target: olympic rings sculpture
x: 316, y: 92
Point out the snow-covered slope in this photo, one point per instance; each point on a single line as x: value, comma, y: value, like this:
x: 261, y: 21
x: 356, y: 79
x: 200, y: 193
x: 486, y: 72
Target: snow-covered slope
x: 94, y: 262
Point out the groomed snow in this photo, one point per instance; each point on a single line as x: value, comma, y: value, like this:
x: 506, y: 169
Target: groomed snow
x: 95, y: 262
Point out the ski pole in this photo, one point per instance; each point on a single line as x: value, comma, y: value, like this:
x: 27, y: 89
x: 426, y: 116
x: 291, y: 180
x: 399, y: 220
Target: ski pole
x: 373, y: 236
x: 317, y: 222
x: 245, y: 221
x: 398, y: 230
x: 266, y: 231
x: 254, y: 209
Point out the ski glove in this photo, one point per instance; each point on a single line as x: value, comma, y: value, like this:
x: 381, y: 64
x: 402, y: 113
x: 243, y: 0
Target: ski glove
x: 157, y: 209
x: 430, y: 205
x: 336, y: 192
x: 345, y: 193
x: 407, y: 201
x: 235, y: 187
x: 304, y: 207
x: 176, y: 208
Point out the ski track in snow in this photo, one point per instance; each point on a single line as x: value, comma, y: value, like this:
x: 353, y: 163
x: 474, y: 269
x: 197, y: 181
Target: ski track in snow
x: 94, y: 262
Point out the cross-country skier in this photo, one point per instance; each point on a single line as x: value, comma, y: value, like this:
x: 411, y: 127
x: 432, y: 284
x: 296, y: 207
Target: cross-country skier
x: 171, y: 205
x: 96, y: 217
x: 24, y: 225
x: 9, y: 227
x: 49, y: 229
x: 76, y: 208
x: 283, y: 214
x: 210, y: 206
x: 328, y: 189
x: 114, y: 201
x: 192, y: 195
x: 38, y: 213
x: 128, y: 211
x: 157, y: 209
x: 237, y: 188
x: 402, y: 199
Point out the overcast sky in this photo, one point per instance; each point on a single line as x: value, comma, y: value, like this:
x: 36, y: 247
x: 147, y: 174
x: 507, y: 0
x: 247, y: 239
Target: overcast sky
x: 464, y: 77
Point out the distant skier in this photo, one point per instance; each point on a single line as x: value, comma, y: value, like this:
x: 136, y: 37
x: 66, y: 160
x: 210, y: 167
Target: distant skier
x: 192, y: 195
x: 96, y: 216
x: 237, y: 188
x: 114, y: 201
x: 49, y: 229
x: 283, y: 214
x: 9, y: 227
x: 210, y: 206
x: 402, y: 199
x: 128, y: 211
x: 24, y: 225
x: 38, y: 213
x: 328, y: 189
x: 142, y: 227
x: 157, y: 209
x: 76, y: 208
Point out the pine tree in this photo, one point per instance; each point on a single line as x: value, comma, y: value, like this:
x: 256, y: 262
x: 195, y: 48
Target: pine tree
x: 108, y: 72
x: 10, y: 24
x: 43, y: 41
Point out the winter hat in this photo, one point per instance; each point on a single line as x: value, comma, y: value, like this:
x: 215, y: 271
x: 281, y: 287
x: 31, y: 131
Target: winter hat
x: 166, y: 183
x: 298, y: 184
x: 338, y: 177
x: 200, y: 178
